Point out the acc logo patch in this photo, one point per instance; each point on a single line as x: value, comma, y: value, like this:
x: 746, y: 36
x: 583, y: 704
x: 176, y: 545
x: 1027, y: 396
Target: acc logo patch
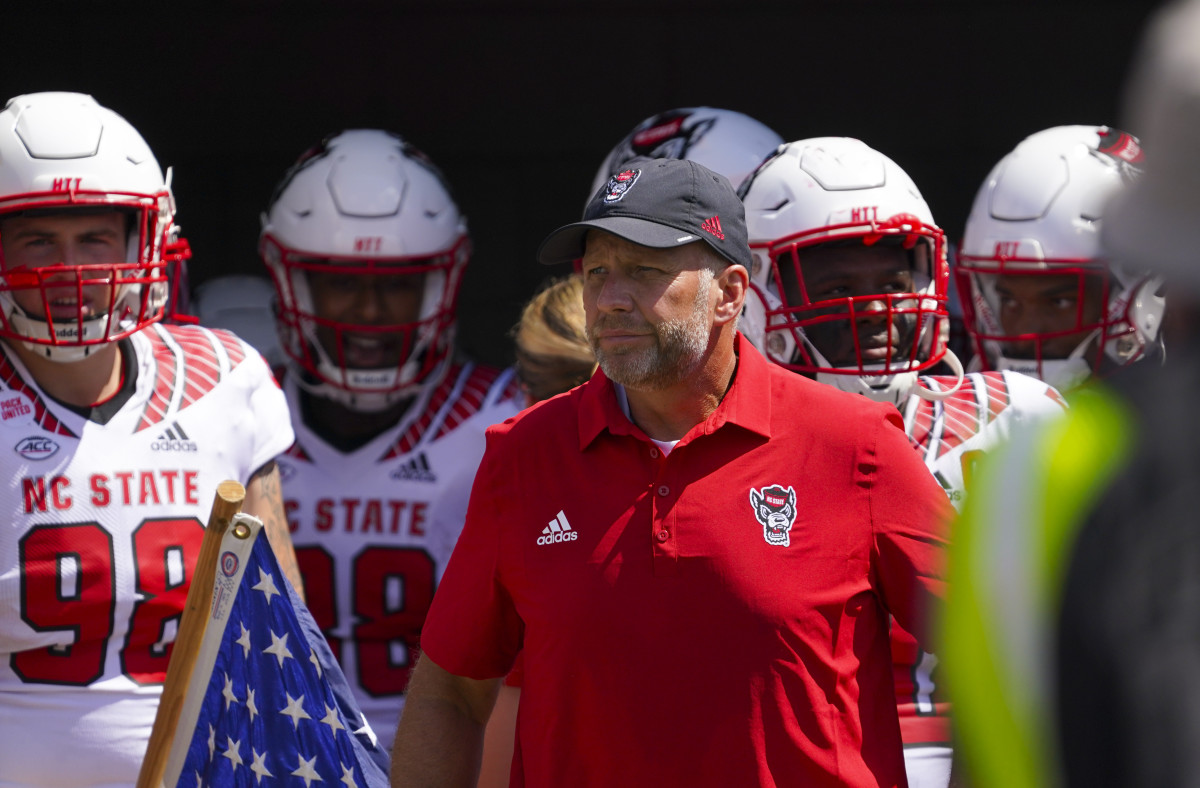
x: 775, y: 508
x: 620, y: 184
x: 36, y: 448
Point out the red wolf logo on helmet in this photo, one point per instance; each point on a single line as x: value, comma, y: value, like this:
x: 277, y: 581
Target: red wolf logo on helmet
x: 1123, y: 149
x: 775, y: 508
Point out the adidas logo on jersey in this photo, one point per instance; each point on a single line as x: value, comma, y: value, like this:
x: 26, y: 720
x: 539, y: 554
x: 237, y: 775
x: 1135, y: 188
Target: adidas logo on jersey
x: 174, y: 439
x: 415, y: 470
x: 559, y: 530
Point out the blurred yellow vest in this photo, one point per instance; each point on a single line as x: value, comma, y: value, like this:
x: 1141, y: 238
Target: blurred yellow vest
x: 1008, y: 560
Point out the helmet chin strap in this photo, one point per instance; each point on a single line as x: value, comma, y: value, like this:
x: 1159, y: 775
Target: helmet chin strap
x: 363, y: 402
x: 372, y: 392
x: 1063, y: 374
x: 882, y: 388
x: 886, y: 388
x: 37, y: 328
x: 956, y: 367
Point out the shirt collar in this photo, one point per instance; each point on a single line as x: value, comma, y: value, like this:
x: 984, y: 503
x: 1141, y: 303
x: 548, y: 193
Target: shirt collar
x: 747, y: 404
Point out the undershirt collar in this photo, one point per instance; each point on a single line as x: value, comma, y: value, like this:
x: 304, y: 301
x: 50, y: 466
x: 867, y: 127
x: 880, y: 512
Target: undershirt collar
x: 623, y: 401
x: 102, y: 412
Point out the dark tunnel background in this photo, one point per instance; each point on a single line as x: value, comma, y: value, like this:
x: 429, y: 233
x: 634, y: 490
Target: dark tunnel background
x: 518, y: 103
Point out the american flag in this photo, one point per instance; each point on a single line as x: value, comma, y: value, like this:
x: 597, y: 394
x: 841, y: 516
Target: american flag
x: 275, y: 708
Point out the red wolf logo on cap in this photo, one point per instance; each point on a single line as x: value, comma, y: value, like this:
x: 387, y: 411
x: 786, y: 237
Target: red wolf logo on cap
x: 621, y: 183
x: 775, y: 508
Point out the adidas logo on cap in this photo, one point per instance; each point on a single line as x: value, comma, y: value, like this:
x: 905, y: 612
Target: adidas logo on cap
x: 559, y: 530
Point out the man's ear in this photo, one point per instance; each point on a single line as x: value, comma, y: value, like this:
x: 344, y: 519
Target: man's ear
x: 734, y: 283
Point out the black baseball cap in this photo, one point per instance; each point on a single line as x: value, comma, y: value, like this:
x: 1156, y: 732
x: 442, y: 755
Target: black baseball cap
x: 661, y: 203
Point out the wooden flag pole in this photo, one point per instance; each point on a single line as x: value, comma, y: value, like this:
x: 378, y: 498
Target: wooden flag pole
x: 226, y: 504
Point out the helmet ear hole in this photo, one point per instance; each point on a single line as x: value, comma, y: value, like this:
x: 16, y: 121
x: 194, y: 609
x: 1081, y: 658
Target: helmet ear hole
x: 1146, y: 308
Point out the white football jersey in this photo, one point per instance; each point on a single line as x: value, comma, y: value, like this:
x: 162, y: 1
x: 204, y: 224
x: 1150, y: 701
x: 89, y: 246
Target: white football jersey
x: 103, y: 524
x: 374, y: 527
x: 951, y: 435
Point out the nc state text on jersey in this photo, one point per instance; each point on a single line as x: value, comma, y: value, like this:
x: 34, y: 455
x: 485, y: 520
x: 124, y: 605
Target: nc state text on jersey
x: 363, y: 515
x: 120, y: 488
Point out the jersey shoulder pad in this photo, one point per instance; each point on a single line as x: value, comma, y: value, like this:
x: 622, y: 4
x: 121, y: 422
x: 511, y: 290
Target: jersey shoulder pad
x: 188, y: 362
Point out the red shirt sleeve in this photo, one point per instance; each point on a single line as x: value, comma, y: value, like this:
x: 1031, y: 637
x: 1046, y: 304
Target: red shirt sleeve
x: 472, y: 628
x: 516, y: 676
x: 910, y: 520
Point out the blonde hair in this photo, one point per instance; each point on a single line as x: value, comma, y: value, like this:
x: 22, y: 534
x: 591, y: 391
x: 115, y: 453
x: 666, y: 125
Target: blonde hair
x: 553, y: 354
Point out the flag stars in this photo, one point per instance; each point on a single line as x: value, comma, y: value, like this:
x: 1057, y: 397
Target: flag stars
x: 266, y: 584
x: 332, y: 720
x: 233, y: 752
x: 260, y: 690
x: 278, y: 648
x: 306, y: 770
x: 244, y: 641
x: 227, y: 693
x: 259, y: 767
x: 295, y: 710
x: 366, y: 730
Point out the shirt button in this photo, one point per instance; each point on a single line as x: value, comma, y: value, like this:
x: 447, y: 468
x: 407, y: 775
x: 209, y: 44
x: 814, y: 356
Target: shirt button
x: 662, y: 536
x: 664, y: 491
x: 654, y: 452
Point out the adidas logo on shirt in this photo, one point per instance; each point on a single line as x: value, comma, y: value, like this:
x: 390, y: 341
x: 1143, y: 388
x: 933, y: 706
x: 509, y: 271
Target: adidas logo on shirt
x: 559, y: 530
x: 415, y: 470
x: 174, y: 439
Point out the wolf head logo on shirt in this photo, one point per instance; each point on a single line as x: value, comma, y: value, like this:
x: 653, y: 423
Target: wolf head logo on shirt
x: 775, y: 508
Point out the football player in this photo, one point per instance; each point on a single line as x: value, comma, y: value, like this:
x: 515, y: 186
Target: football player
x: 367, y: 249
x: 117, y: 430
x: 850, y: 272
x: 1038, y: 295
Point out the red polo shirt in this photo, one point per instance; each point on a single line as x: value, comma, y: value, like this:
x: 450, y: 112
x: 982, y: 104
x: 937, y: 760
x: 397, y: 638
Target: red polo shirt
x: 715, y: 617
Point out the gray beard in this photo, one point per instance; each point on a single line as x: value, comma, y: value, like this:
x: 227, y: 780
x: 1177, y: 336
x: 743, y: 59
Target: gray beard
x: 680, y: 348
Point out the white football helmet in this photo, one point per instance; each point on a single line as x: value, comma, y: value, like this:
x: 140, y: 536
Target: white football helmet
x: 62, y: 152
x: 838, y: 192
x: 1039, y: 214
x: 727, y: 142
x: 364, y: 203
